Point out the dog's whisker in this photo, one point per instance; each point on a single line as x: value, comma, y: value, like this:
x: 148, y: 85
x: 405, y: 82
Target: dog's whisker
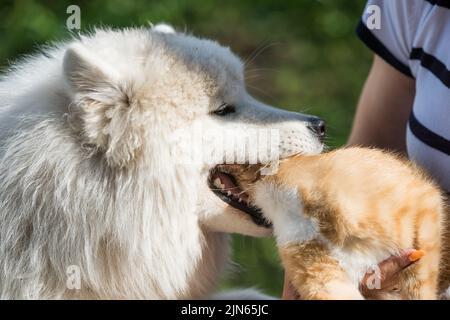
x: 259, y: 51
x: 260, y: 90
x: 251, y: 72
x: 261, y: 69
x: 254, y: 76
x: 225, y: 189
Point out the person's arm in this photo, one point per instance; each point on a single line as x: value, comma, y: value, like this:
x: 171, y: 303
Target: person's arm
x: 383, y: 109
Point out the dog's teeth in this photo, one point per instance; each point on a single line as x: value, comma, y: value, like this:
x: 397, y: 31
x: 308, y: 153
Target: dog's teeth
x: 239, y: 200
x: 228, y: 193
x: 217, y: 183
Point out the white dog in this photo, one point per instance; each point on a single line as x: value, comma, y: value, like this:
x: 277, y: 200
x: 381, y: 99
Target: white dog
x: 97, y: 199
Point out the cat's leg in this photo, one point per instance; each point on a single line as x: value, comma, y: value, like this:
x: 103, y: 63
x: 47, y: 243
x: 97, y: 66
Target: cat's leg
x: 429, y: 238
x: 315, y: 274
x: 421, y: 280
x: 427, y: 268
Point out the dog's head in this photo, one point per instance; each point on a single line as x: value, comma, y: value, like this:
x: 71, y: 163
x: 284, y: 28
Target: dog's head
x: 167, y: 102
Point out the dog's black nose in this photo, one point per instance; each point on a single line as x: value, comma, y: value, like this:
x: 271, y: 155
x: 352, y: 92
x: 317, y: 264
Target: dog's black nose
x: 317, y: 126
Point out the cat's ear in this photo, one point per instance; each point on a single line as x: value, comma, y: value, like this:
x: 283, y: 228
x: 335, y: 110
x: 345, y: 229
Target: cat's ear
x: 101, y: 110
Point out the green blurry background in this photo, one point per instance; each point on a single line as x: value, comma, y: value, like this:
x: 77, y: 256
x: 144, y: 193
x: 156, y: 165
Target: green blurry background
x: 305, y: 57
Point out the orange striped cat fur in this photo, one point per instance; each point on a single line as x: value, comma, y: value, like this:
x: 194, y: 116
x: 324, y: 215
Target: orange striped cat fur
x: 338, y: 214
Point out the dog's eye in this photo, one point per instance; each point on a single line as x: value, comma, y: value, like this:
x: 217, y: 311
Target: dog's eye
x: 224, y: 110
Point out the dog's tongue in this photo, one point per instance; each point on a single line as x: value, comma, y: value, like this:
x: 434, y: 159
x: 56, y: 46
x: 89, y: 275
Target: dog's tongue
x: 226, y: 181
x: 229, y: 185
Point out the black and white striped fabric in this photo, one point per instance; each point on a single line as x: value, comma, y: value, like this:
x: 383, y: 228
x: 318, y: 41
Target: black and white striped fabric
x: 414, y: 37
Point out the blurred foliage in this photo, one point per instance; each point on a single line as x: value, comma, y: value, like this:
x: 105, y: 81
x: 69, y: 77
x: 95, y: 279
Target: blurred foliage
x: 304, y: 57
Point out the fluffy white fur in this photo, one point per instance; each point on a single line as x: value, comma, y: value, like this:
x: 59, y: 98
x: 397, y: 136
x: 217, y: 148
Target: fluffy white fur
x: 284, y: 208
x: 89, y: 173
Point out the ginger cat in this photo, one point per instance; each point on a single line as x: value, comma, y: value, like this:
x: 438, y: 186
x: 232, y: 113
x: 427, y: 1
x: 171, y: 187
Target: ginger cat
x: 337, y: 214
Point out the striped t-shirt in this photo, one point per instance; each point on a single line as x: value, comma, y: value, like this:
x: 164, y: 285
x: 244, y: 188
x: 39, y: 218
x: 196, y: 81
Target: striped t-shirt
x: 414, y: 37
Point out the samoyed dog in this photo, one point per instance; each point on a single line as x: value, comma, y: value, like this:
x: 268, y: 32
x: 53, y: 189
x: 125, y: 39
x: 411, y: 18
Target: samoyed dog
x: 100, y: 197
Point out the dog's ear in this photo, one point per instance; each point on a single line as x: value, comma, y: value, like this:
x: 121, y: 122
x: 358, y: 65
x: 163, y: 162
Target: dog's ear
x: 163, y: 28
x: 85, y: 72
x: 101, y: 110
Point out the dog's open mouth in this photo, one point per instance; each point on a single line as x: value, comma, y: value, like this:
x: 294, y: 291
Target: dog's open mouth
x: 225, y: 186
